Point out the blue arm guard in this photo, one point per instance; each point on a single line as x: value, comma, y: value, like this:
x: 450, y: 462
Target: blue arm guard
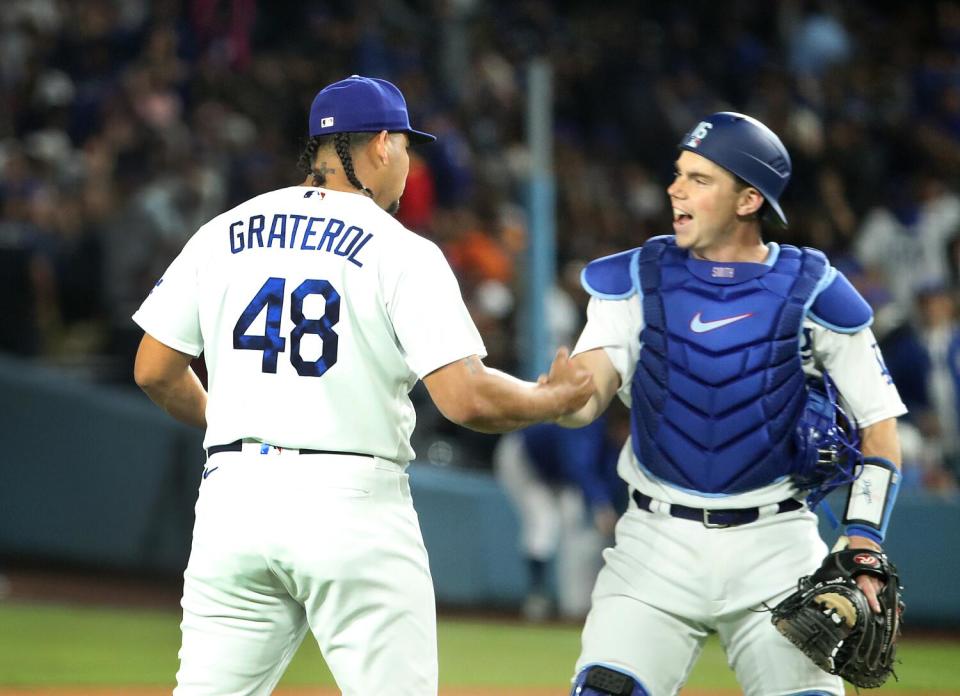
x: 871, y: 499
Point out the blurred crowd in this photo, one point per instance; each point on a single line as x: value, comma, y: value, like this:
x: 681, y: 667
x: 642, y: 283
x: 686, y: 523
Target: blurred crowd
x: 128, y: 123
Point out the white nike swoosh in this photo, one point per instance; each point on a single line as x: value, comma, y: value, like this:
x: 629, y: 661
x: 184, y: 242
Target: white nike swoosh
x: 698, y: 326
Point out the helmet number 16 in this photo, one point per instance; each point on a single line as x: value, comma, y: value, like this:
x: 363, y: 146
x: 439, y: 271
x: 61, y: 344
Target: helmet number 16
x: 271, y: 297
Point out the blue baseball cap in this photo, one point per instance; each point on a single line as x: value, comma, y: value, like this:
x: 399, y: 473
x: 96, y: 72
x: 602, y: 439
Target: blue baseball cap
x: 362, y: 105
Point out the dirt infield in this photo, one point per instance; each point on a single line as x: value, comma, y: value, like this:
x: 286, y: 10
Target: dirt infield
x: 139, y: 691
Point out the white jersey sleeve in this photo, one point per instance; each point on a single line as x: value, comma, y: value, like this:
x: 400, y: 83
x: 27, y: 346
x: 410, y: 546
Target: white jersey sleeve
x: 856, y: 366
x: 615, y: 326
x: 171, y: 311
x: 432, y: 323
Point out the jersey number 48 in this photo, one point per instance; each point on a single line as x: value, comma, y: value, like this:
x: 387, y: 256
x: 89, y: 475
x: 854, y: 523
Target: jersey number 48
x: 271, y: 343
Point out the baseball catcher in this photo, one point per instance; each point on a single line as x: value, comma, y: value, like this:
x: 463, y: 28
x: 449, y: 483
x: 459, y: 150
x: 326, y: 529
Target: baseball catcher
x: 830, y: 620
x: 711, y: 335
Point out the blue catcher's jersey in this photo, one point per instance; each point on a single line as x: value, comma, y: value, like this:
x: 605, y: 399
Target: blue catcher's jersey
x: 719, y: 385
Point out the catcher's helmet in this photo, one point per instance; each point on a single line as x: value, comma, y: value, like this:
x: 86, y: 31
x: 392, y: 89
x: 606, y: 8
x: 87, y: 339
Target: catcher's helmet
x: 748, y: 149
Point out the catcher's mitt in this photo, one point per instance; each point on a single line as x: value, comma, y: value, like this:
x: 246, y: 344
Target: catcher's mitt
x: 829, y: 619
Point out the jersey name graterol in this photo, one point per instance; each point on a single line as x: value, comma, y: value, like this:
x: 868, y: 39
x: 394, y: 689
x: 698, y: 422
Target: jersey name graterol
x: 299, y: 232
x: 719, y: 384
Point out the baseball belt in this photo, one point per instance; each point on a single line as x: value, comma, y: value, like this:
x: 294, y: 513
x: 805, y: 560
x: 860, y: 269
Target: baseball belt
x: 237, y: 446
x: 716, y: 518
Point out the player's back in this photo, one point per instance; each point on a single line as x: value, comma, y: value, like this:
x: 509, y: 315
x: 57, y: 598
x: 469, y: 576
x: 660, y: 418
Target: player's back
x: 294, y: 290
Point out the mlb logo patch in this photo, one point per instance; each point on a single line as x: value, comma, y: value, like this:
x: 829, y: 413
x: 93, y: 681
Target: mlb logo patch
x: 722, y: 272
x: 326, y: 122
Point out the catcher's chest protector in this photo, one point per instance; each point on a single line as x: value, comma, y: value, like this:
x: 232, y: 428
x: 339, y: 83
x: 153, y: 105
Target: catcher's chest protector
x: 719, y: 384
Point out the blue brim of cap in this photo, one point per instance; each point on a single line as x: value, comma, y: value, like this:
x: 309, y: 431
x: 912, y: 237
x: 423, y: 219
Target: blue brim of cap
x: 419, y: 137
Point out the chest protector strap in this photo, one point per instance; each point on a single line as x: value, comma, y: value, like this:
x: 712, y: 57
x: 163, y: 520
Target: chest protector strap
x: 719, y: 385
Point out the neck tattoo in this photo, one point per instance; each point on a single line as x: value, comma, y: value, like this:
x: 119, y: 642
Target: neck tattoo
x: 323, y: 170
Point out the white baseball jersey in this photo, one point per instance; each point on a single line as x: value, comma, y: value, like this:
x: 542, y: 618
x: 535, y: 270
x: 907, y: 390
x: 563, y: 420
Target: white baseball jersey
x: 317, y: 312
x: 852, y: 360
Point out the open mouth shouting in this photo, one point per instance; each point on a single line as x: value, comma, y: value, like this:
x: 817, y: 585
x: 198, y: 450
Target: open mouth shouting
x: 681, y: 218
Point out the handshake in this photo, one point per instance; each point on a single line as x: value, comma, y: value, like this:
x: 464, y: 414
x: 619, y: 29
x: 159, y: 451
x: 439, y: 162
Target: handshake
x: 487, y: 400
x: 568, y: 386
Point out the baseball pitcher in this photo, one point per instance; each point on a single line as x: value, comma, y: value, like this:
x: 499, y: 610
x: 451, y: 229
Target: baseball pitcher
x: 317, y: 312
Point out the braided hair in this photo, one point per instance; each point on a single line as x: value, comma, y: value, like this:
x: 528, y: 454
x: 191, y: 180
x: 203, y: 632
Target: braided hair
x: 343, y: 144
x: 309, y: 156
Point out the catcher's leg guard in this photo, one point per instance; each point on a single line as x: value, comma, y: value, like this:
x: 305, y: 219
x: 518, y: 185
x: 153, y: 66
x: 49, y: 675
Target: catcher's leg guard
x: 598, y: 680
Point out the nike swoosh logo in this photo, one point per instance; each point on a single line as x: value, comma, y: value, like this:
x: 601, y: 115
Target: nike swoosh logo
x: 697, y: 325
x: 207, y: 472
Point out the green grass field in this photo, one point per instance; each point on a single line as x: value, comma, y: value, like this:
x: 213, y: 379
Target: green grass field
x: 51, y: 645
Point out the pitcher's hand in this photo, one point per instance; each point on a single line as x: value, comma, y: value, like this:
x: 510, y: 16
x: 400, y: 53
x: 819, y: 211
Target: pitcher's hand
x: 571, y: 386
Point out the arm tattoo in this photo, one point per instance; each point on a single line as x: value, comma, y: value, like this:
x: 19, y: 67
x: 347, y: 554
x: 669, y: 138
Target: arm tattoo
x: 473, y: 364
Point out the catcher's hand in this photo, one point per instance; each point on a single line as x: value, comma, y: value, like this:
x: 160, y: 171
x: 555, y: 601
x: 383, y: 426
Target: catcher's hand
x: 830, y: 620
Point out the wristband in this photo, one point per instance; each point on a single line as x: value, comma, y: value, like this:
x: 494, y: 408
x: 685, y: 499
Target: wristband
x: 871, y: 498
